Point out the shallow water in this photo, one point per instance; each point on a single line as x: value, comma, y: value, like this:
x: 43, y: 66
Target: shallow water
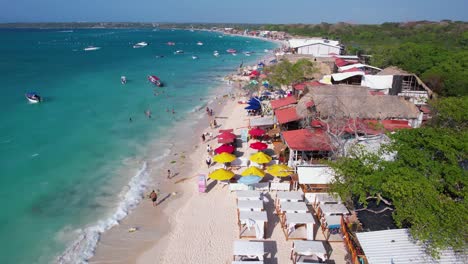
x: 64, y: 162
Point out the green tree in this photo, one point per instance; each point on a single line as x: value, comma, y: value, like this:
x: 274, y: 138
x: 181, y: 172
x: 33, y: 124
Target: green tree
x: 287, y: 73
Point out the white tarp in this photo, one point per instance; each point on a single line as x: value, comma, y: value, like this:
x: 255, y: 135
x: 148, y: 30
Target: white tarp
x: 345, y: 75
x: 357, y: 65
x: 263, y: 121
x: 377, y: 82
x: 314, y: 174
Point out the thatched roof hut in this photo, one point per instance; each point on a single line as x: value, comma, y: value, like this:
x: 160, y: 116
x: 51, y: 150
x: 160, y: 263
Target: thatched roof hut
x: 348, y: 101
x: 393, y: 70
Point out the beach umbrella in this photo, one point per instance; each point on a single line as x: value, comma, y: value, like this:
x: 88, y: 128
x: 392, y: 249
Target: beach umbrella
x: 224, y: 148
x: 280, y: 170
x: 253, y: 107
x: 258, y: 146
x: 260, y: 158
x: 225, y: 140
x: 227, y: 135
x: 224, y: 157
x: 253, y: 171
x: 249, y: 180
x: 256, y: 132
x: 221, y: 175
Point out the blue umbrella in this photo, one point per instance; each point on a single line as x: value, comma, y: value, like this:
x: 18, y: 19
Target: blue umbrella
x: 253, y: 107
x: 253, y: 103
x: 249, y: 179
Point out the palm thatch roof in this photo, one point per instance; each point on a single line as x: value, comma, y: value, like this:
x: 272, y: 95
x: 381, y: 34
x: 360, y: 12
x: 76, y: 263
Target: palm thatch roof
x: 393, y: 70
x: 348, y: 101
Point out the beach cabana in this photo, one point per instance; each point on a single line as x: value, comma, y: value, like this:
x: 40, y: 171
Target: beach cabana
x: 263, y: 122
x: 331, y: 227
x: 250, y: 205
x: 314, y: 179
x: 248, y: 195
x: 248, y: 251
x: 290, y: 207
x: 298, y: 226
x: 252, y: 224
x: 317, y: 199
x: 308, y: 252
x: 288, y: 197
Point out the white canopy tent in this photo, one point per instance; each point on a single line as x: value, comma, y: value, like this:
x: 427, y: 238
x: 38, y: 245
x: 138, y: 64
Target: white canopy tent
x: 294, y: 219
x: 252, y: 219
x: 248, y: 249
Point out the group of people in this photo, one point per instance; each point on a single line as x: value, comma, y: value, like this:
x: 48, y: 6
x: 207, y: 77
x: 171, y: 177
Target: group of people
x: 207, y: 136
x: 209, y: 111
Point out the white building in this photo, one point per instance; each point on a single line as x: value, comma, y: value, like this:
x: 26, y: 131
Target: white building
x: 315, y: 46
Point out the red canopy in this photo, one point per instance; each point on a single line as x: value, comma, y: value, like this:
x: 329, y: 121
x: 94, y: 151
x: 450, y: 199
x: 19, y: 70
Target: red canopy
x: 225, y: 140
x: 224, y: 148
x: 259, y: 146
x: 227, y: 135
x: 254, y: 72
x: 256, y: 132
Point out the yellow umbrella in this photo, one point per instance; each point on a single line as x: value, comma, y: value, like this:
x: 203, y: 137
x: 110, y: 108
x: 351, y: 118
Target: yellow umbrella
x: 224, y: 157
x: 221, y: 175
x: 253, y: 171
x: 260, y: 158
x: 280, y: 170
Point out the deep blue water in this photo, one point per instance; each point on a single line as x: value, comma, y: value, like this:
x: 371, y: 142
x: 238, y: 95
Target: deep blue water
x: 58, y: 158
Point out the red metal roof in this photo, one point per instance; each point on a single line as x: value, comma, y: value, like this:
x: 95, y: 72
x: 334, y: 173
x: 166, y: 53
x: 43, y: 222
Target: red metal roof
x: 317, y: 124
x: 376, y: 93
x: 425, y: 109
x: 310, y: 104
x: 302, y: 85
x: 354, y: 69
x: 286, y: 115
x: 275, y: 104
x: 393, y: 125
x: 306, y: 140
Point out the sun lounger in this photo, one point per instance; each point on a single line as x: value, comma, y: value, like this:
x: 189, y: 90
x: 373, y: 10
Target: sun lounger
x: 295, y: 220
x: 252, y: 224
x: 249, y: 195
x: 252, y: 249
x: 250, y: 205
x: 238, y: 187
x: 308, y: 251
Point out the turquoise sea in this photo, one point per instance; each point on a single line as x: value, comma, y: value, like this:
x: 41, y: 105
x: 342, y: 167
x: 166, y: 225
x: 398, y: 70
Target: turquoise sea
x: 66, y: 163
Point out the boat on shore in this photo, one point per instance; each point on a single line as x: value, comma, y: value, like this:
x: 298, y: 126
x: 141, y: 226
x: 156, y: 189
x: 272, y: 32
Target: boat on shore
x: 231, y: 51
x: 123, y: 79
x: 90, y: 48
x: 140, y: 45
x: 155, y: 80
x: 33, y: 97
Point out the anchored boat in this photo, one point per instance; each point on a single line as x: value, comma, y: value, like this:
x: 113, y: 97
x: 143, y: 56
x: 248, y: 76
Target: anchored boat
x: 33, y: 97
x: 155, y: 80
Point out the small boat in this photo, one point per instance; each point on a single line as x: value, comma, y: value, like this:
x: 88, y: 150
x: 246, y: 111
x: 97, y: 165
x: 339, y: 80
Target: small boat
x: 266, y: 51
x: 140, y: 45
x: 33, y: 97
x: 216, y: 53
x: 179, y: 52
x: 199, y: 43
x: 123, y: 79
x: 171, y: 43
x: 231, y: 51
x: 247, y: 53
x: 195, y: 57
x: 234, y: 54
x: 89, y: 48
x: 155, y: 80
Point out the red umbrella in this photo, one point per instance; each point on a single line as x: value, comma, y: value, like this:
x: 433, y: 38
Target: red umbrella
x: 259, y: 146
x: 224, y: 148
x: 227, y: 135
x: 225, y: 140
x: 256, y: 132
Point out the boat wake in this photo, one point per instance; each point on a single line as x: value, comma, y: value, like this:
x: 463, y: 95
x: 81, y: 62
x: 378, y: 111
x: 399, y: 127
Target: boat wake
x: 83, y: 247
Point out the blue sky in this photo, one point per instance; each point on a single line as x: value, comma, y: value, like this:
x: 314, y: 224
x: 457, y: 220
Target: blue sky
x: 239, y: 11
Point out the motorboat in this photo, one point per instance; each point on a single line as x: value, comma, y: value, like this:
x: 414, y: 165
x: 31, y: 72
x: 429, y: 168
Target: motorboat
x: 33, y: 97
x: 171, y: 43
x: 155, y: 80
x: 231, y: 51
x: 179, y: 52
x: 216, y: 53
x: 247, y: 53
x: 140, y: 45
x: 266, y: 51
x: 234, y: 54
x: 199, y: 43
x: 195, y: 57
x: 123, y: 79
x: 90, y: 48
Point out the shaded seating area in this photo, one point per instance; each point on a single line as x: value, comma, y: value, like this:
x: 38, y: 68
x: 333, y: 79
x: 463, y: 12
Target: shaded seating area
x: 324, y: 198
x: 252, y: 224
x: 248, y: 195
x: 253, y: 252
x: 294, y: 196
x: 308, y: 252
x: 330, y: 216
x: 298, y: 226
x: 250, y: 205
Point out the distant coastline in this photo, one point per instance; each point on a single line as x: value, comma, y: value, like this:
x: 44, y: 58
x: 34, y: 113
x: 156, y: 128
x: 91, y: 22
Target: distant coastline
x: 113, y: 25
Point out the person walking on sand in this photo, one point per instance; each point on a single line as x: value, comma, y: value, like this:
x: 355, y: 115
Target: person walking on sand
x: 154, y: 197
x: 208, y: 148
x: 203, y: 137
x: 168, y: 174
x: 211, y: 135
x: 208, y: 161
x: 214, y: 123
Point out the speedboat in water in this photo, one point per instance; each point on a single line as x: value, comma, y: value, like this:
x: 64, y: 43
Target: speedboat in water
x: 33, y: 97
x: 195, y: 57
x: 247, y: 53
x: 155, y: 80
x: 171, y: 43
x: 140, y: 45
x: 179, y: 52
x: 234, y: 54
x: 123, y: 79
x: 89, y: 48
x: 199, y: 43
x: 231, y: 51
x: 216, y: 53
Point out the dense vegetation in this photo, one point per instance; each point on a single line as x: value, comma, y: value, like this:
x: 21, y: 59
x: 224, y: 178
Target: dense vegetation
x: 286, y: 73
x: 426, y: 183
x: 436, y: 51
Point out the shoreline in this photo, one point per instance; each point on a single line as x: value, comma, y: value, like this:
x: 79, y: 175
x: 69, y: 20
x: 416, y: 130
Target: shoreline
x: 152, y: 233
